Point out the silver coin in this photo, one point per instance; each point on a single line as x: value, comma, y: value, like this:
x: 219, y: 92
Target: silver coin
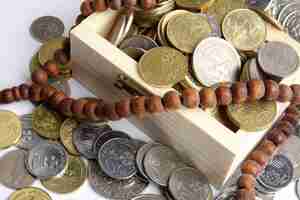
x: 277, y: 6
x: 139, y: 41
x: 112, y: 188
x: 263, y: 190
x: 85, y: 136
x: 46, y: 28
x: 117, y: 158
x: 149, y: 197
x: 286, y: 10
x: 46, y: 160
x: 292, y: 24
x: 63, y: 86
x: 29, y: 137
x: 277, y: 174
x: 189, y: 184
x: 13, y: 173
x: 260, y: 4
x: 159, y: 162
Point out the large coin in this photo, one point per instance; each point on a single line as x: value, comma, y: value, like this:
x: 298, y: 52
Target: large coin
x: 48, y: 49
x: 66, y: 135
x: 186, y: 30
x: 278, y: 59
x: 46, y: 28
x: 149, y: 197
x: 216, y: 60
x: 11, y: 129
x: 139, y: 41
x: 112, y: 188
x: 46, y: 122
x: 277, y: 7
x: 252, y: 116
x: 245, y: 29
x: 13, y: 173
x: 29, y: 193
x: 163, y: 67
x: 72, y: 178
x: 46, y: 160
x: 182, y: 185
x: 117, y: 158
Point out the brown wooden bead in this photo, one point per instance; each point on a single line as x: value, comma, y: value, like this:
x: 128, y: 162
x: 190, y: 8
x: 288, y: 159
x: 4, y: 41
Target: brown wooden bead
x: 51, y: 67
x: 39, y: 76
x: 171, y: 100
x: 224, y: 96
x: 277, y: 136
x: 292, y: 109
x: 285, y: 93
x: 154, y: 104
x: 272, y: 90
x: 190, y: 98
x: 247, y: 181
x: 90, y: 110
x: 86, y: 8
x: 267, y: 146
x: 239, y: 92
x: 208, y: 98
x: 61, y: 57
x: 148, y: 4
x: 109, y: 110
x: 16, y: 93
x: 24, y: 91
x: 100, y: 5
x: 138, y: 106
x: 8, y: 96
x: 65, y: 107
x: 296, y: 93
x: 123, y: 108
x: 35, y: 93
x: 78, y: 108
x: 245, y: 194
x: 256, y: 90
x: 286, y: 127
x: 99, y: 111
x: 259, y: 156
x: 251, y: 167
x: 47, y: 92
x: 57, y: 98
x: 292, y: 118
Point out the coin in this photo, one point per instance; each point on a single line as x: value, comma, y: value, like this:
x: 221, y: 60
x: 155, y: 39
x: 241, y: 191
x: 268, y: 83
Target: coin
x: 112, y: 188
x: 215, y: 60
x: 72, y: 178
x: 287, y: 9
x: 48, y: 49
x: 46, y: 160
x: 252, y: 116
x: 182, y: 184
x: 163, y: 67
x: 10, y: 126
x: 263, y: 191
x: 84, y: 137
x: 139, y: 41
x: 66, y: 135
x: 13, y: 173
x: 29, y: 138
x: 29, y: 193
x: 46, y: 28
x: 117, y: 158
x: 186, y: 30
x: 278, y: 59
x: 159, y: 162
x: 134, y: 53
x: 116, y: 33
x: 149, y: 197
x: 292, y: 24
x: 245, y: 29
x: 46, y: 122
x: 63, y: 86
x: 34, y: 63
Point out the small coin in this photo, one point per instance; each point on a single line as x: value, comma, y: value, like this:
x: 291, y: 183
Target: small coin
x: 46, y: 122
x: 72, y: 178
x: 11, y: 127
x: 29, y: 193
x: 84, y: 137
x: 149, y: 197
x: 159, y: 162
x: 134, y: 53
x: 48, y: 49
x: 46, y: 160
x: 277, y: 7
x: 139, y: 41
x: 252, y: 116
x: 245, y: 29
x: 278, y: 59
x: 29, y: 138
x: 46, y: 28
x: 112, y: 188
x: 163, y: 67
x: 34, y: 63
x: 66, y: 135
x: 63, y: 86
x: 13, y: 173
x: 286, y: 10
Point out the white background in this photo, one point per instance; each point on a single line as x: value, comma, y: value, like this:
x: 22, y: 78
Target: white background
x: 16, y: 49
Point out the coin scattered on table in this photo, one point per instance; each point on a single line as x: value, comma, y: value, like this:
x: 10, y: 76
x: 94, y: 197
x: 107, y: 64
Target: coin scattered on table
x: 31, y: 193
x: 66, y: 135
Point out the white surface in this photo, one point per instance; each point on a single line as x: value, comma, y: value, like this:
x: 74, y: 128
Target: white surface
x: 16, y: 49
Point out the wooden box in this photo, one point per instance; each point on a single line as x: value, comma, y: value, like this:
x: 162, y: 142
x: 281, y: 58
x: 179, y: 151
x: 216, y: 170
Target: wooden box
x: 201, y: 140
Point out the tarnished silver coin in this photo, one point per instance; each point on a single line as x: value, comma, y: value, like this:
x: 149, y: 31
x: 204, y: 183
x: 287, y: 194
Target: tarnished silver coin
x: 46, y: 160
x: 117, y: 158
x: 139, y: 41
x: 29, y: 137
x: 46, y: 28
x: 149, y: 197
x: 13, y: 173
x: 292, y: 24
x: 189, y: 184
x: 62, y: 86
x: 112, y: 188
x: 84, y: 137
x: 159, y: 162
x: 286, y: 10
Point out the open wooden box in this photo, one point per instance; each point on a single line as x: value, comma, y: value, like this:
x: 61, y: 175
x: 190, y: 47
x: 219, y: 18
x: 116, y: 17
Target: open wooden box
x: 200, y: 138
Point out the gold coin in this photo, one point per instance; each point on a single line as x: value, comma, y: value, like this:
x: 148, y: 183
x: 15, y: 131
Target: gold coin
x: 252, y: 116
x: 29, y: 193
x: 66, y: 135
x: 46, y: 122
x: 163, y: 67
x: 192, y: 4
x: 245, y: 29
x: 48, y: 49
x: 73, y: 177
x: 11, y: 129
x: 186, y: 30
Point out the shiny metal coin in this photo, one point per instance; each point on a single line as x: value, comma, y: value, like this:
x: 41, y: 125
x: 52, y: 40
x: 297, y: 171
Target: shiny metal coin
x: 46, y: 160
x: 13, y: 173
x: 286, y: 10
x: 139, y: 41
x: 112, y: 188
x: 46, y: 28
x: 277, y: 6
x: 84, y: 137
x: 149, y: 197
x: 292, y: 24
x: 263, y: 190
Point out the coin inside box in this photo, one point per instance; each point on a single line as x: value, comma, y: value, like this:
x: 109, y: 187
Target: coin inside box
x: 201, y: 140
